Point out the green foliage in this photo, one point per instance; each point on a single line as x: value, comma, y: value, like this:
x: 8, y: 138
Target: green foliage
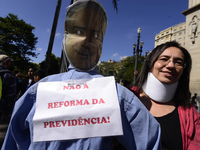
x: 128, y: 69
x: 17, y: 40
x: 107, y: 69
x: 54, y: 66
x: 123, y: 70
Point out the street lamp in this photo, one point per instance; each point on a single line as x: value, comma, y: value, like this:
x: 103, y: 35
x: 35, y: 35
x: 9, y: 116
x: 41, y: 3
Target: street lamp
x: 137, y: 49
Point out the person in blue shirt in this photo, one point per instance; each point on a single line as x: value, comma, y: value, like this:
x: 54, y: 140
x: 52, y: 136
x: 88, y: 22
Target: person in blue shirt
x: 85, y: 26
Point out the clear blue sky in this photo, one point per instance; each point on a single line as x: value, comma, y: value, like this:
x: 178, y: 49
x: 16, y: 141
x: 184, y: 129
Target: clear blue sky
x: 151, y: 16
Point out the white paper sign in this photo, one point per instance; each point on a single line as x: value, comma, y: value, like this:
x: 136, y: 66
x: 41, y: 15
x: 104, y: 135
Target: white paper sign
x: 77, y: 109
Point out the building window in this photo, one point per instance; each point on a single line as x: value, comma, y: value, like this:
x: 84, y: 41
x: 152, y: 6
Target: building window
x: 180, y: 33
x: 157, y: 37
x: 167, y: 32
x: 174, y: 30
x: 180, y: 28
x: 162, y: 34
x: 175, y: 34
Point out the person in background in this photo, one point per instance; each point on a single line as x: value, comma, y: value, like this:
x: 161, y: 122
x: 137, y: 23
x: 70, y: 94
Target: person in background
x: 38, y: 75
x: 194, y: 100
x: 85, y: 27
x: 127, y: 84
x: 163, y: 87
x: 26, y: 82
x: 18, y: 76
x: 7, y: 88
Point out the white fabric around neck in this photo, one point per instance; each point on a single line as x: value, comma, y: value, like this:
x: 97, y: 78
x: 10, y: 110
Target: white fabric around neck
x: 158, y: 91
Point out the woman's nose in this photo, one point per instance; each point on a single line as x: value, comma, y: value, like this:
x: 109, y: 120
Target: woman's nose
x: 170, y: 63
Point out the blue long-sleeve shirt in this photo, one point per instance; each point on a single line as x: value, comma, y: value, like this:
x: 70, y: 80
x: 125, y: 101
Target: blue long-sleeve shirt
x: 141, y: 130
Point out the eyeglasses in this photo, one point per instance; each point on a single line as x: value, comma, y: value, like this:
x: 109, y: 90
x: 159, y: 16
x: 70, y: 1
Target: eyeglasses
x: 178, y: 63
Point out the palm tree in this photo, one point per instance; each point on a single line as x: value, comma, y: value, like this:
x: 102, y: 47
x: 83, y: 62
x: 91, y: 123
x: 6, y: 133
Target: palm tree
x: 51, y: 40
x: 115, y: 4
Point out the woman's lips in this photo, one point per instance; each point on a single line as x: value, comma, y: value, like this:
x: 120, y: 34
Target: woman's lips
x: 167, y: 74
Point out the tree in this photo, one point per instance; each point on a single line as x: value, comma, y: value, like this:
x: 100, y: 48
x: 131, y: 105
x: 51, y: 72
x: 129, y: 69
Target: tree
x: 115, y: 4
x: 17, y: 40
x: 53, y: 67
x: 128, y: 68
x: 123, y: 70
x: 126, y: 73
x: 53, y: 31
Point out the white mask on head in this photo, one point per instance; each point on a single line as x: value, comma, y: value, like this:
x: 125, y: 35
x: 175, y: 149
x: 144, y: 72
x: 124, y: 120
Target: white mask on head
x: 158, y: 91
x: 85, y: 26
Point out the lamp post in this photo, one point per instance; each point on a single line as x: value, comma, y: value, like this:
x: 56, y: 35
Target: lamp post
x: 137, y: 49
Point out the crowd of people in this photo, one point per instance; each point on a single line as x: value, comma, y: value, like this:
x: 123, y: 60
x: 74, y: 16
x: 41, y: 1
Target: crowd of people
x: 154, y: 114
x: 7, y: 87
x: 13, y: 85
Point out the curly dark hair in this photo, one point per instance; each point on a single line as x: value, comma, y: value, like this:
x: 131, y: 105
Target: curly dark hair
x: 182, y: 96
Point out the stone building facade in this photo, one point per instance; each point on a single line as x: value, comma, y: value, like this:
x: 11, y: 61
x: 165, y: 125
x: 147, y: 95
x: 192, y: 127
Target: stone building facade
x: 188, y: 35
x: 174, y: 33
x: 192, y: 42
